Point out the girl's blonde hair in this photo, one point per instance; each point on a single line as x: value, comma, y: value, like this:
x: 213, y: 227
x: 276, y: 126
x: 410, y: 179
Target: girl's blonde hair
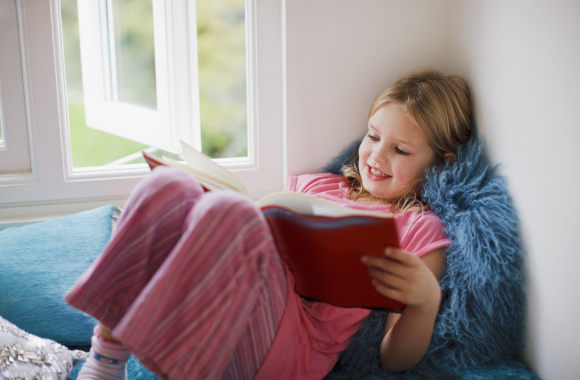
x: 440, y: 106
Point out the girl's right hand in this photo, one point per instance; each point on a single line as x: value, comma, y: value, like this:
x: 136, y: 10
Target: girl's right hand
x: 414, y: 282
x: 401, y: 276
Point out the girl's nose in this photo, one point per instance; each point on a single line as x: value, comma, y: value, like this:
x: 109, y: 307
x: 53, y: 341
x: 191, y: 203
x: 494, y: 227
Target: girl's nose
x: 379, y: 155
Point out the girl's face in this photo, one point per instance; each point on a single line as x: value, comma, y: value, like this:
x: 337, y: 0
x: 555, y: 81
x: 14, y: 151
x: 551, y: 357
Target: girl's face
x: 393, y: 154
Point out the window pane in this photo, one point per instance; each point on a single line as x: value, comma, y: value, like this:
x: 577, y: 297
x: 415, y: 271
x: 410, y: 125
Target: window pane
x: 222, y: 76
x: 132, y: 52
x: 89, y: 146
x: 221, y: 42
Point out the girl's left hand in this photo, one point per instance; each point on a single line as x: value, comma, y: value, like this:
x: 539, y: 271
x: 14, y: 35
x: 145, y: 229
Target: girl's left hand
x: 401, y: 276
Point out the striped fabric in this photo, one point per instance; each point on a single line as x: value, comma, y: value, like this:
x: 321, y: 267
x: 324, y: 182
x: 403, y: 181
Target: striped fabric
x: 190, y: 281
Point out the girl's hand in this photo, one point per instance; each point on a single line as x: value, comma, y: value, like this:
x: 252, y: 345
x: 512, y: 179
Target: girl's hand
x: 414, y: 282
x: 405, y: 278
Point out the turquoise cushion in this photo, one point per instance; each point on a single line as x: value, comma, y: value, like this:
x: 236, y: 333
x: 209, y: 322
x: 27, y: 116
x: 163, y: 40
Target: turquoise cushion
x: 40, y: 262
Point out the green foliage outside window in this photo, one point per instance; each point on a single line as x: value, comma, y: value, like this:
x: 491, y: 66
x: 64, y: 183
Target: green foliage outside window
x: 96, y: 148
x: 222, y: 77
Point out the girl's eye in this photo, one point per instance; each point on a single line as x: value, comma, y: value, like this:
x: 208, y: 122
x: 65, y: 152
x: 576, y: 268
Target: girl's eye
x: 373, y: 138
x: 401, y: 151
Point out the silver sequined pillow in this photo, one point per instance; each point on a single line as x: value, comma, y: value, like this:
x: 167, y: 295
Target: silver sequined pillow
x: 27, y: 357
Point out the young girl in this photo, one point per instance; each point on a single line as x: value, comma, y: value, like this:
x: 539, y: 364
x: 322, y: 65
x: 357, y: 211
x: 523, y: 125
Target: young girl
x: 192, y: 285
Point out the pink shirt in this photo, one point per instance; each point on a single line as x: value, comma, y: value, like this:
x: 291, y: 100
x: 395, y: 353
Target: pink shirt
x: 312, y: 335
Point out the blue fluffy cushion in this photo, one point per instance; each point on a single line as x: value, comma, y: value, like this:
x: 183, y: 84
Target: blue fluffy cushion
x: 40, y: 262
x: 483, y: 307
x: 479, y: 330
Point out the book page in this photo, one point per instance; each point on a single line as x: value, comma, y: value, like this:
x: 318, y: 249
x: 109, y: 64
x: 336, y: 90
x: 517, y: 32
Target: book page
x: 310, y: 205
x: 206, y: 168
x: 209, y: 183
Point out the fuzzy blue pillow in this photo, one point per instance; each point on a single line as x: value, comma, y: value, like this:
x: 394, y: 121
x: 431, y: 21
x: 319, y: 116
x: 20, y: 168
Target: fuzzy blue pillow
x: 479, y: 330
x: 40, y: 262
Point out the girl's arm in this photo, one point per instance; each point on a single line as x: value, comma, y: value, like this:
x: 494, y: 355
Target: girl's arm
x: 414, y: 282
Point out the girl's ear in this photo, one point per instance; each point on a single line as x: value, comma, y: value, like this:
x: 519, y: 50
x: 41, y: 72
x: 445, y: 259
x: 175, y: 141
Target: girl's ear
x: 450, y: 157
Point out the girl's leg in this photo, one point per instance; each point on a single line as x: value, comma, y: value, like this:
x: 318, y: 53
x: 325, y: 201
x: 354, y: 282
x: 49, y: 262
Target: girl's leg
x: 150, y: 226
x: 255, y: 341
x: 215, y: 301
x: 197, y: 308
x: 148, y: 229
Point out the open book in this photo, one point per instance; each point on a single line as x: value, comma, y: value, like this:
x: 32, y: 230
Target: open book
x: 320, y: 241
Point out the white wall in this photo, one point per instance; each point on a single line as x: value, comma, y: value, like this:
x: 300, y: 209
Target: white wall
x: 522, y: 59
x: 340, y: 55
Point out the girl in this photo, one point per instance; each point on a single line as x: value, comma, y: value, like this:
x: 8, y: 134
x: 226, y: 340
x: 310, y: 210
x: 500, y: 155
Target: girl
x: 192, y: 285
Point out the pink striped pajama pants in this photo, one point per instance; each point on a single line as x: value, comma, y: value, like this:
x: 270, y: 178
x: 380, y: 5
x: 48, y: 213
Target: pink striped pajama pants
x: 190, y: 280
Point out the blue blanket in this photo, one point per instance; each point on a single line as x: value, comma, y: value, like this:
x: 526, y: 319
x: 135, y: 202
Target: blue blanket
x: 480, y: 326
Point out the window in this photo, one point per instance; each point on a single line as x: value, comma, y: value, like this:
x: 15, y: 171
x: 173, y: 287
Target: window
x: 87, y: 143
x: 129, y: 51
x: 47, y: 179
x: 140, y: 79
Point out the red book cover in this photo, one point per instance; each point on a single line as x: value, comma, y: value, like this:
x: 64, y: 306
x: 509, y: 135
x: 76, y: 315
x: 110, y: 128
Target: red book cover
x: 323, y: 254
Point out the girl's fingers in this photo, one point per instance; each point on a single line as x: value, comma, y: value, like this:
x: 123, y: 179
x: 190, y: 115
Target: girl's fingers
x: 400, y: 255
x: 399, y: 275
x: 404, y: 278
x: 387, y: 291
x: 409, y: 291
x: 389, y: 280
x: 396, y: 261
x: 382, y: 263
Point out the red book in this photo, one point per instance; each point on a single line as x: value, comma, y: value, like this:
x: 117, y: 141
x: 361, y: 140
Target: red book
x: 323, y: 254
x: 321, y: 242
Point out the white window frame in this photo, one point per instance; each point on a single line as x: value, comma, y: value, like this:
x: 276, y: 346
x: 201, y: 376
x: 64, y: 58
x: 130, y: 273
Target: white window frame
x: 14, y: 151
x: 52, y: 187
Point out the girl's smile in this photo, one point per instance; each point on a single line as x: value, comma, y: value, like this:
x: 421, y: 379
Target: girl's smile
x: 394, y: 154
x: 377, y: 175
